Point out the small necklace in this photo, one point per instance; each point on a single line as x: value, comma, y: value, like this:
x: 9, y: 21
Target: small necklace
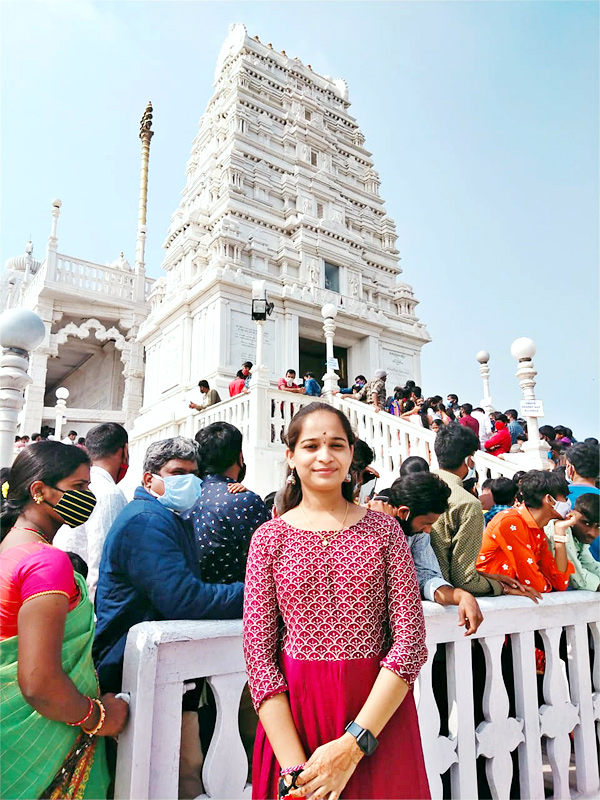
x: 33, y: 530
x: 324, y: 539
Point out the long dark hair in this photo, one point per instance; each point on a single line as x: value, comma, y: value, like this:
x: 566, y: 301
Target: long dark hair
x: 292, y: 493
x: 47, y: 461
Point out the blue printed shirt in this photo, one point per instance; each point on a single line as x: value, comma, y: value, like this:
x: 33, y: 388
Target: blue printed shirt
x: 223, y: 526
x: 488, y: 516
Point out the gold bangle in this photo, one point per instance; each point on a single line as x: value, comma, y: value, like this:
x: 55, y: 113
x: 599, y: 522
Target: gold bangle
x: 102, y: 711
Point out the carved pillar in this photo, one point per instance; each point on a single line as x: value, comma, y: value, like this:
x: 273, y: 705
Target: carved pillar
x: 483, y: 358
x: 132, y: 357
x: 536, y: 452
x: 21, y: 332
x: 52, y: 242
x: 330, y: 379
x: 33, y: 410
x: 60, y: 411
x: 291, y: 343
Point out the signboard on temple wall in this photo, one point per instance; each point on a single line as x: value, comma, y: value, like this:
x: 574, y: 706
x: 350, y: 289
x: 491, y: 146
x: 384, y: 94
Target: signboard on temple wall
x: 532, y: 408
x: 242, y: 340
x: 399, y: 368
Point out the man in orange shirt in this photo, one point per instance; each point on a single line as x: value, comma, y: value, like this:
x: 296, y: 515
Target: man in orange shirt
x: 514, y: 543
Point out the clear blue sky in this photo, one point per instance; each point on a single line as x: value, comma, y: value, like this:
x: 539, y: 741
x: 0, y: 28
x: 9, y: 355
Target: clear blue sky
x: 482, y: 118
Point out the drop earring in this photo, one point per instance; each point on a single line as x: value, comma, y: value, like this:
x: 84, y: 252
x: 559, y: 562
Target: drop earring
x: 38, y: 499
x: 291, y: 478
x: 348, y: 478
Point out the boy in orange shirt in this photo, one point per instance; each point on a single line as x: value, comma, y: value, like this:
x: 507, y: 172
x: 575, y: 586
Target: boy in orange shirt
x: 514, y: 544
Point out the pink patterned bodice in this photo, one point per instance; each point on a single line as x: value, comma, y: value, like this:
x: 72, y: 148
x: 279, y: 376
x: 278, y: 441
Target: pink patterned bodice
x: 356, y: 598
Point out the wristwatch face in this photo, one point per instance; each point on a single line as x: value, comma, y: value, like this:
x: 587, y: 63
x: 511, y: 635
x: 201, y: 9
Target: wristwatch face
x: 367, y: 742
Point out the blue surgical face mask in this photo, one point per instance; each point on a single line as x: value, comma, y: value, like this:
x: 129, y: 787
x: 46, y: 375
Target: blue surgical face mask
x: 471, y: 473
x: 181, y: 491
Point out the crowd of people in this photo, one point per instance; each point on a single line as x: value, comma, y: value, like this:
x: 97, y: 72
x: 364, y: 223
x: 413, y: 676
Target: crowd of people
x: 499, y: 432
x: 329, y: 581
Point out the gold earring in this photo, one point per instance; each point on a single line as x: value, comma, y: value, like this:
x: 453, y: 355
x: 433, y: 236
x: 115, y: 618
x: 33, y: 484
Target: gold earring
x: 38, y: 499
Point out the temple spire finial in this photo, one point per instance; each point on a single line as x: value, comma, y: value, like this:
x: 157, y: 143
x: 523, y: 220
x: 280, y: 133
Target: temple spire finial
x: 146, y: 134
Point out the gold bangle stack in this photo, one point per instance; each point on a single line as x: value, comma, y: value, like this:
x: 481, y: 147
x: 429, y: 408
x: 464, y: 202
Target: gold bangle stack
x: 102, y: 711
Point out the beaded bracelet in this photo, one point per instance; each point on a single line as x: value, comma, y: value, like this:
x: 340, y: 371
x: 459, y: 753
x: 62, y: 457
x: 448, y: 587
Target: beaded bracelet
x: 87, y: 716
x: 102, y: 710
x: 289, y: 770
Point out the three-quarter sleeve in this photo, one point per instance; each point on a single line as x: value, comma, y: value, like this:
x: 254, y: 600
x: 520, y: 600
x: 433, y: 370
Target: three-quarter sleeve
x: 262, y: 619
x: 407, y: 623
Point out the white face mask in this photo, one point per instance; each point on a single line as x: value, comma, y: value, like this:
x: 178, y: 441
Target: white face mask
x: 471, y: 473
x: 562, y: 507
x: 289, y: 382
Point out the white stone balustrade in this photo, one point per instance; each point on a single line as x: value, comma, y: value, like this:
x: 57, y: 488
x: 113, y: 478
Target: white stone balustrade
x: 89, y: 277
x: 282, y: 407
x: 264, y: 414
x: 393, y: 439
x: 235, y: 410
x: 85, y: 276
x: 161, y: 656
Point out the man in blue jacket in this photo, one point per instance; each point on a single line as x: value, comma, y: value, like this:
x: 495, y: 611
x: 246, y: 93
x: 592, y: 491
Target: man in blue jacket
x: 149, y: 568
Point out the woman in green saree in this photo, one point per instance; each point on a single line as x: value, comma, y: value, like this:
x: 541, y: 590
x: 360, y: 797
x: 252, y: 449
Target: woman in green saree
x: 51, y: 716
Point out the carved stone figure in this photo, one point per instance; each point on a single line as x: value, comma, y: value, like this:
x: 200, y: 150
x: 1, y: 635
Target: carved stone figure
x: 314, y: 273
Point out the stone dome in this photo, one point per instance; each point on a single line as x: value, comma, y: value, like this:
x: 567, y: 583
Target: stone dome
x: 121, y: 262
x: 24, y: 263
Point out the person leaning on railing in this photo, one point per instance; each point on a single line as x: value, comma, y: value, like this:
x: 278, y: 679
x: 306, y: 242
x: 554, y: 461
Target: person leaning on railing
x: 456, y: 536
x: 51, y: 712
x: 583, y: 532
x: 514, y: 543
x: 417, y: 500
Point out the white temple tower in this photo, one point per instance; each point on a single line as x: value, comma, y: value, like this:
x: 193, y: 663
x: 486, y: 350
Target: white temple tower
x: 279, y: 187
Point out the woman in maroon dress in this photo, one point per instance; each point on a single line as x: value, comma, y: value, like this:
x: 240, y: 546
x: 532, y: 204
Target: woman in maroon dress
x: 334, y: 635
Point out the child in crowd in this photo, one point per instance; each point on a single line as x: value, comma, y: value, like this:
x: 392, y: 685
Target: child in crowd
x: 504, y: 491
x: 583, y: 531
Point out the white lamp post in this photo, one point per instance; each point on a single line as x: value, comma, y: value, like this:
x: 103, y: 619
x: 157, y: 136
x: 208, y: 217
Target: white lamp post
x: 330, y: 379
x: 62, y: 395
x: 21, y: 331
x: 483, y: 357
x: 523, y: 350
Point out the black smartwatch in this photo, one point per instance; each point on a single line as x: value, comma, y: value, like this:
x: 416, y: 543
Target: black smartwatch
x: 364, y: 738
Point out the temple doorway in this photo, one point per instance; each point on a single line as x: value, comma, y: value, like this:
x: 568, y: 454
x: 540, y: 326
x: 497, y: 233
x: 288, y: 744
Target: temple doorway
x: 312, y: 358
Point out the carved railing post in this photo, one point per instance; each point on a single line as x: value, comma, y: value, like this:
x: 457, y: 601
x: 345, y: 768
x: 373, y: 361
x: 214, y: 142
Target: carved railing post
x: 498, y: 735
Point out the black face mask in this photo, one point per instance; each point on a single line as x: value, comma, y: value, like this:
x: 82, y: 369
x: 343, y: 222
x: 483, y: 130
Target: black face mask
x: 242, y: 473
x: 75, y: 506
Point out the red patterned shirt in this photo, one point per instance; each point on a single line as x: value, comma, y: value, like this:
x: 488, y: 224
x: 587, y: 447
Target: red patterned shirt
x: 357, y: 597
x: 514, y: 546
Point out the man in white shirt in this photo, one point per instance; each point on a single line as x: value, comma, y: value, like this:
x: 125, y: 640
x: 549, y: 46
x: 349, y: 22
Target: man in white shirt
x: 70, y: 438
x: 485, y: 425
x: 108, y: 448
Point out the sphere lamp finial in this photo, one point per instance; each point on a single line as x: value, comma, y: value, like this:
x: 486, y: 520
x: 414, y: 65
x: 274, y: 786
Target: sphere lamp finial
x: 329, y: 311
x: 523, y: 348
x: 21, y: 329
